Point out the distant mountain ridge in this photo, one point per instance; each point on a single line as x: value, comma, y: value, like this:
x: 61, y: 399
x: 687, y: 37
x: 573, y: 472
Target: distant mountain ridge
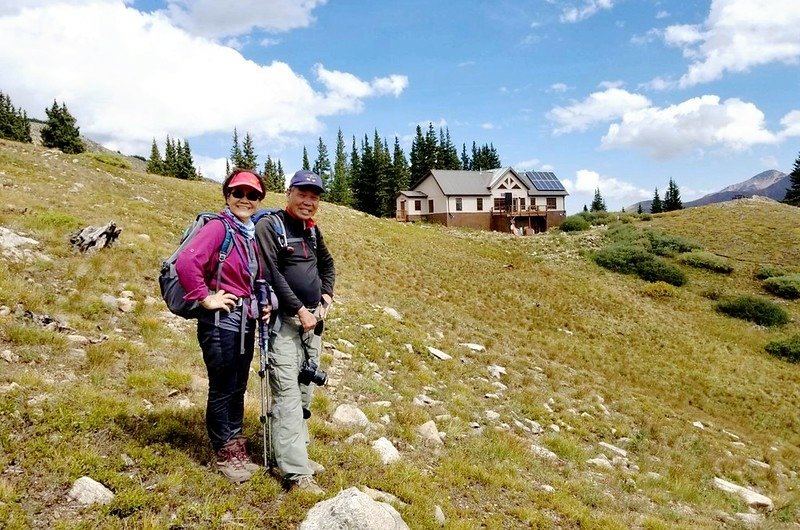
x: 771, y: 183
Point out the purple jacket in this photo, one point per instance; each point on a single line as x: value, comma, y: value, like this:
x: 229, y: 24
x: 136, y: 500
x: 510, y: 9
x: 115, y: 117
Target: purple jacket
x: 197, y: 264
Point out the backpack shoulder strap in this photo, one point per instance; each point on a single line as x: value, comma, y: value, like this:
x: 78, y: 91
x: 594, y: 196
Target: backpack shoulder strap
x: 225, y: 248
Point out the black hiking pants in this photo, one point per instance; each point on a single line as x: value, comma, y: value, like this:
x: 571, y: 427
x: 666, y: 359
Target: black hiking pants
x: 228, y: 369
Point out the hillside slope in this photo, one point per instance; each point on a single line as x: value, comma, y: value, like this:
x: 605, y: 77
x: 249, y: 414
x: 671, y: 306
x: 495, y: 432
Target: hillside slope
x: 92, y: 387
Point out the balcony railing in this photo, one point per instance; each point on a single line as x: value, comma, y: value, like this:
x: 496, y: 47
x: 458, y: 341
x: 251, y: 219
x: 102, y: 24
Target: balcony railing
x: 539, y: 209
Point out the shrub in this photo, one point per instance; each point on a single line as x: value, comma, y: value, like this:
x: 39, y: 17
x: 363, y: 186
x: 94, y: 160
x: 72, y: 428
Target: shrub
x: 574, y: 223
x: 784, y: 286
x: 665, y: 244
x: 111, y: 160
x: 788, y: 349
x: 632, y: 259
x: 658, y: 290
x: 645, y: 216
x: 755, y: 309
x: 707, y: 260
x: 658, y: 270
x: 768, y: 271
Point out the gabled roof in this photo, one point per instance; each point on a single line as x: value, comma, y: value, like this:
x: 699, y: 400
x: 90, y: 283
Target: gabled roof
x: 457, y: 182
x: 412, y: 193
x: 498, y: 173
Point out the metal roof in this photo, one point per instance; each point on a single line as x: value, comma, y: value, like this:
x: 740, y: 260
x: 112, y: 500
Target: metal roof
x: 457, y: 182
x: 412, y: 193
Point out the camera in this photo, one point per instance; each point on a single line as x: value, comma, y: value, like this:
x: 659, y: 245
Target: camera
x: 310, y: 373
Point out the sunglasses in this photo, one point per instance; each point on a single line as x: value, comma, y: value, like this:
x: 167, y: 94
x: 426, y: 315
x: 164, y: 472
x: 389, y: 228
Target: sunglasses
x: 253, y: 196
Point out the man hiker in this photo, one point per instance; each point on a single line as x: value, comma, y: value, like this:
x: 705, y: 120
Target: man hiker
x: 302, y: 273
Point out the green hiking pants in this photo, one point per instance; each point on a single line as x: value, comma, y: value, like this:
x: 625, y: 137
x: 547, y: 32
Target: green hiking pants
x: 287, y: 426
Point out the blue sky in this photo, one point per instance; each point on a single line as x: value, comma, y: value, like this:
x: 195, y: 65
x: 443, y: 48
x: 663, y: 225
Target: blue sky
x: 620, y: 95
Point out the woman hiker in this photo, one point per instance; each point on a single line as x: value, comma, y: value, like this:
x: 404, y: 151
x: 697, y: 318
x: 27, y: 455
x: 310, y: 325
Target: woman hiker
x: 227, y: 323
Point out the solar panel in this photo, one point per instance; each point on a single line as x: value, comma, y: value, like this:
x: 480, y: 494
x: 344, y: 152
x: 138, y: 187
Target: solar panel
x: 545, y: 181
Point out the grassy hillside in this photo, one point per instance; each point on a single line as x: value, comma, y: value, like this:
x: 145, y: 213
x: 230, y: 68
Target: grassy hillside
x: 591, y: 355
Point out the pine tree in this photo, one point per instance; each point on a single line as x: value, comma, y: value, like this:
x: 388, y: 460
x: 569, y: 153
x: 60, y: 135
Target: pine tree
x: 656, y: 206
x: 322, y: 164
x: 355, y: 172
x: 236, y: 152
x: 417, y: 147
x: 185, y: 166
x: 585, y: 209
x: 449, y: 153
x: 598, y: 204
x: 60, y: 131
x: 672, y: 198
x: 280, y: 179
x: 465, y: 162
x: 365, y: 187
x: 639, y: 209
x: 170, y: 159
x: 306, y: 165
x: 339, y: 192
x: 14, y: 123
x: 249, y: 159
x: 793, y: 193
x: 400, y: 174
x: 384, y: 178
x: 155, y: 164
x: 430, y: 151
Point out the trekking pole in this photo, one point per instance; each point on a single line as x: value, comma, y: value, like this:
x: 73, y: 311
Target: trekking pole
x: 266, y: 392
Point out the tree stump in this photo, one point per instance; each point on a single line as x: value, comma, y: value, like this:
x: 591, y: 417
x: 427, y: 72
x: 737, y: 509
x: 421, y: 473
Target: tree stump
x: 92, y: 238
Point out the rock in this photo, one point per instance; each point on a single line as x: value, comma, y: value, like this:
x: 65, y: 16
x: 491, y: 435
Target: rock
x: 753, y: 499
x: 78, y: 339
x: 387, y: 451
x: 438, y: 513
x: 128, y: 461
x: 753, y: 520
x: 5, y: 311
x: 355, y: 438
x: 88, y: 491
x: 547, y: 488
x: 126, y: 305
x: 535, y: 426
x: 392, y: 312
x: 10, y: 387
x: 429, y: 433
x: 601, y: 461
x: 349, y: 416
x: 9, y: 356
x: 354, y: 510
x: 496, y: 371
x: 368, y: 326
x: 555, y: 428
x: 127, y: 294
x: 109, y: 301
x: 439, y: 354
x: 652, y: 475
x: 409, y: 348
x: 543, y: 452
x: 143, y: 237
x: 423, y: 400
x: 699, y: 425
x: 378, y: 495
x: 491, y: 395
x: 757, y: 463
x: 346, y: 343
x: 491, y: 415
x: 472, y: 346
x: 184, y: 403
x: 735, y: 437
x: 613, y: 449
x: 382, y: 403
x: 500, y: 386
x: 340, y: 355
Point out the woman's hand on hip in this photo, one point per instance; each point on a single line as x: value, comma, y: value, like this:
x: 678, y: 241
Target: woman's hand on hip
x: 219, y: 300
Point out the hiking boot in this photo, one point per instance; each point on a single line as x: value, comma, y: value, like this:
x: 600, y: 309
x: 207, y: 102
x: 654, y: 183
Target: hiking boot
x: 244, y: 456
x: 315, y: 467
x: 229, y: 464
x: 306, y: 483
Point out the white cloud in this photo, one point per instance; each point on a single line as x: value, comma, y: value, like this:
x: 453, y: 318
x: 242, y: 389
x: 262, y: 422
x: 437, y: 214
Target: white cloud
x: 149, y: 78
x: 488, y: 126
x: 647, y: 38
x: 611, y: 84
x: 269, y: 42
x: 527, y: 165
x: 465, y: 63
x: 769, y: 162
x: 659, y: 84
x: 425, y: 123
x: 736, y: 36
x: 791, y: 124
x: 587, y: 181
x: 662, y: 14
x: 559, y: 87
x: 697, y: 123
x: 596, y: 108
x: 547, y: 167
x: 588, y: 9
x: 215, y: 19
